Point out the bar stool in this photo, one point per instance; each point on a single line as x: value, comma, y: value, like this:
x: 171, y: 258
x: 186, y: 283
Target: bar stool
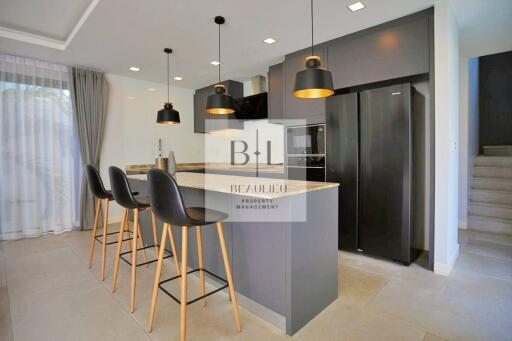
x: 167, y: 204
x: 101, y: 194
x: 124, y: 197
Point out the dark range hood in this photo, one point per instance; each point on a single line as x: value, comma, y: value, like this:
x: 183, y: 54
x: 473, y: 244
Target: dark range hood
x: 253, y: 107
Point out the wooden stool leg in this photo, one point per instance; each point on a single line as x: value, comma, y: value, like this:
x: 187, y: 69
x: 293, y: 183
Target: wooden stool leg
x: 183, y: 297
x: 173, y: 248
x: 94, y: 229
x: 127, y: 231
x: 124, y: 219
x: 155, y: 234
x: 200, y: 260
x: 141, y: 242
x: 229, y: 275
x: 104, y: 239
x: 134, y: 257
x: 157, y: 278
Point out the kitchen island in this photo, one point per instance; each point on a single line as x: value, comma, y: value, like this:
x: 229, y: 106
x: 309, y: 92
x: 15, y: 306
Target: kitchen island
x: 282, y: 237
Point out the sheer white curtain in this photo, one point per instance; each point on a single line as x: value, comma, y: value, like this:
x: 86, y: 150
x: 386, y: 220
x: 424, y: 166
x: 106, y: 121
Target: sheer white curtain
x: 39, y: 155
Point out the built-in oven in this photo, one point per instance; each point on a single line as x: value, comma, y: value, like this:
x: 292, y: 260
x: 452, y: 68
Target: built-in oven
x: 305, y: 152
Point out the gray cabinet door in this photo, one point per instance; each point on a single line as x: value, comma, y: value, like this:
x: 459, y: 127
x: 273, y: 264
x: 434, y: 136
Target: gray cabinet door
x: 398, y: 51
x: 275, y: 92
x: 200, y: 114
x: 312, y: 110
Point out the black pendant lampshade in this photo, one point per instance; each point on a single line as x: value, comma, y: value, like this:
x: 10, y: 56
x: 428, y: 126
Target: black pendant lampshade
x: 314, y: 81
x: 219, y: 103
x: 168, y: 115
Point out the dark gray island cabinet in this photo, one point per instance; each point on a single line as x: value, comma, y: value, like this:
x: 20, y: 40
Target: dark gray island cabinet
x: 282, y: 237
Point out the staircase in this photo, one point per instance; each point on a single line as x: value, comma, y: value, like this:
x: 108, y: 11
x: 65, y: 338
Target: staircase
x: 490, y: 199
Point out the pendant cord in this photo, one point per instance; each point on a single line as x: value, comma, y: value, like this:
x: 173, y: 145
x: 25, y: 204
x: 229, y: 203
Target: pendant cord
x: 168, y: 76
x: 312, y: 28
x: 219, y: 54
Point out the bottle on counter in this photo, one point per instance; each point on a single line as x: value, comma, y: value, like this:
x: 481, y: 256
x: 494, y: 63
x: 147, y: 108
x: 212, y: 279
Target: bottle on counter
x: 161, y: 162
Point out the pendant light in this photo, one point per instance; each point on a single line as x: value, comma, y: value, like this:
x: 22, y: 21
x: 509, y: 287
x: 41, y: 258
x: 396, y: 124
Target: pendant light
x: 314, y: 81
x: 220, y: 103
x: 168, y: 115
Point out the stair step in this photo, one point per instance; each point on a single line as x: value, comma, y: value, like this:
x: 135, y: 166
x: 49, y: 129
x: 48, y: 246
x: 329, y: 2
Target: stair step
x: 492, y: 172
x: 490, y: 225
x: 498, y: 150
x: 493, y: 196
x: 496, y: 161
x: 490, y: 210
x: 492, y: 184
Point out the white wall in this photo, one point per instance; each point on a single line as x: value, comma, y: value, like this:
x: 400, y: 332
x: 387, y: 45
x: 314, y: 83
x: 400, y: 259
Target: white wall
x: 131, y: 131
x: 468, y: 132
x: 446, y: 137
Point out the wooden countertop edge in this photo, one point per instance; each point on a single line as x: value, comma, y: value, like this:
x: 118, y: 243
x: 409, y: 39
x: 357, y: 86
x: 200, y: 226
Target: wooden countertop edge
x: 321, y: 185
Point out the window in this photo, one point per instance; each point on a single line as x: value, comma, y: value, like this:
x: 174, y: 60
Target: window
x: 39, y: 153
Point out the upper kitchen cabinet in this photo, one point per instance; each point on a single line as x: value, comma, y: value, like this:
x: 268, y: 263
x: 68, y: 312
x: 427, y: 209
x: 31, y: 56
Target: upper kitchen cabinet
x: 233, y: 88
x: 200, y: 113
x: 388, y: 52
x: 275, y: 78
x: 313, y: 110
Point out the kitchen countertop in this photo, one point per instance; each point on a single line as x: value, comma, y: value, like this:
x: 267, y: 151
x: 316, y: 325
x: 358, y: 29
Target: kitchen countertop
x: 216, y: 166
x: 263, y: 188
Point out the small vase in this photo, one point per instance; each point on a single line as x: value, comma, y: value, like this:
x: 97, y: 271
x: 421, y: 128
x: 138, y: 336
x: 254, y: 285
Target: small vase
x: 171, y: 164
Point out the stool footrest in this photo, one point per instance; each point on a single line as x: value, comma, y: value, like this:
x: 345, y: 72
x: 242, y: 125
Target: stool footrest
x: 198, y: 298
x: 169, y: 254
x: 99, y: 237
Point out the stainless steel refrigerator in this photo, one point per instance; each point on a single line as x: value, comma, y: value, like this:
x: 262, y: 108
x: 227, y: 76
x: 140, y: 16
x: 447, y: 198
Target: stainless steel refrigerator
x: 370, y: 153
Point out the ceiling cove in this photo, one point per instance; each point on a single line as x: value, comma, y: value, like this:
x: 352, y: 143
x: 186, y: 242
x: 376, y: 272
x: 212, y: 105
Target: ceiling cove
x: 43, y: 40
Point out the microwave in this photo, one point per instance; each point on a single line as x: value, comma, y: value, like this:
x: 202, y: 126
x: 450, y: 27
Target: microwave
x: 306, y: 140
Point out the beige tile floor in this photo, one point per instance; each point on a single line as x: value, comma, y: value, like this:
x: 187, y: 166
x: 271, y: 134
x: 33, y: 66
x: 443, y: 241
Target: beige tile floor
x: 48, y: 293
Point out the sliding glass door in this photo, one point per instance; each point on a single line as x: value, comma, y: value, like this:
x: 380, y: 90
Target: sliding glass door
x: 39, y: 154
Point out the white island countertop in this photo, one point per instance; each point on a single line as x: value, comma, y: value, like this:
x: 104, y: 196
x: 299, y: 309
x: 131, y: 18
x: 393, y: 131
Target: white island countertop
x: 255, y: 187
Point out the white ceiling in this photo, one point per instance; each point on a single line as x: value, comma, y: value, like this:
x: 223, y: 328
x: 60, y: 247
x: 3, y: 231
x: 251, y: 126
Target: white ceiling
x: 54, y: 19
x: 123, y: 33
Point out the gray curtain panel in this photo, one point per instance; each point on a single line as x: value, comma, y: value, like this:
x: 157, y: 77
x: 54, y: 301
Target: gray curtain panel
x: 89, y: 94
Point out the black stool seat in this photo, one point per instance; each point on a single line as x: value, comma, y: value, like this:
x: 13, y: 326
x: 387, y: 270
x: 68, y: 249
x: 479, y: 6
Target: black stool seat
x: 122, y: 192
x: 96, y: 184
x: 167, y: 203
x: 142, y: 201
x: 200, y: 216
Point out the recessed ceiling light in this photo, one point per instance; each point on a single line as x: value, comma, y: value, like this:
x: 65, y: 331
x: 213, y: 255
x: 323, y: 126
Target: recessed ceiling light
x: 134, y: 68
x: 215, y: 63
x: 131, y: 97
x: 151, y: 89
x: 178, y: 78
x: 269, y: 41
x: 356, y: 7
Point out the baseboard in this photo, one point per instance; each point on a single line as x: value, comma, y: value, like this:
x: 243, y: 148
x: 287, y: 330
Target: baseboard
x: 463, y: 225
x: 444, y: 269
